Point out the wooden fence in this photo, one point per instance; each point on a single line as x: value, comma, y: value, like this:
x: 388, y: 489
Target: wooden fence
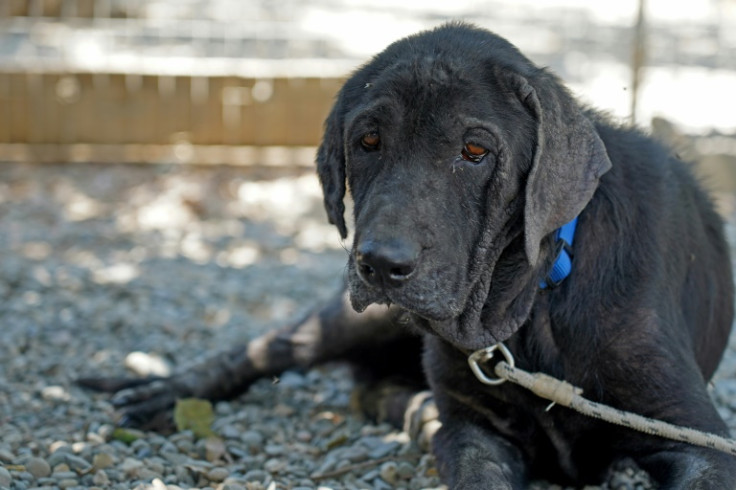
x: 100, y: 116
x: 120, y: 80
x: 51, y: 110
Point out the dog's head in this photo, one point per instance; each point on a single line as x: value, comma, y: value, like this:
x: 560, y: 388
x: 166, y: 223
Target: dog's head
x: 461, y: 158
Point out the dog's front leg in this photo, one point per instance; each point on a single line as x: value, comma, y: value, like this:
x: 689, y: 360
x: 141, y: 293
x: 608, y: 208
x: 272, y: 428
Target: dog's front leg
x: 329, y: 333
x: 684, y: 467
x: 471, y: 457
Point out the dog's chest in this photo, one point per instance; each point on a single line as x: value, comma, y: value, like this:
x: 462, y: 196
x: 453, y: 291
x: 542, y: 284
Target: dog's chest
x: 557, y: 439
x: 549, y: 433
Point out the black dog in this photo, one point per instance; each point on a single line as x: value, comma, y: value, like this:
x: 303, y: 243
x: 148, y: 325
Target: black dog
x: 463, y: 160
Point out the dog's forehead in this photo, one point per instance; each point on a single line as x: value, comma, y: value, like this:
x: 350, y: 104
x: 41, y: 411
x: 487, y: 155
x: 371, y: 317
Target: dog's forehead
x: 428, y: 75
x: 430, y: 88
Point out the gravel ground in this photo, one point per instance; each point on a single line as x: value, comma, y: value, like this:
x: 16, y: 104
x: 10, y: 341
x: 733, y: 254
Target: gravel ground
x: 170, y: 262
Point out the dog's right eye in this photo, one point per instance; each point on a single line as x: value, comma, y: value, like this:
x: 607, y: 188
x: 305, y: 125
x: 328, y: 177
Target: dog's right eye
x: 473, y: 153
x: 370, y: 141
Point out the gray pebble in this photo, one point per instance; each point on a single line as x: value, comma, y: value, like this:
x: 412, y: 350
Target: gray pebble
x: 303, y: 436
x: 238, y: 452
x: 252, y: 439
x: 147, y: 474
x: 131, y: 467
x: 77, y: 463
x: 231, y: 432
x: 38, y: 467
x: 379, y: 484
x: 101, y: 478
x: 255, y: 476
x: 175, y: 458
x: 62, y: 475
x: 218, y: 474
x: 58, y: 457
x: 355, y: 454
x: 105, y: 431
x: 95, y: 439
x: 233, y: 486
x: 370, y: 475
x: 406, y: 470
x: 114, y: 474
x: 156, y: 465
x: 168, y: 447
x: 139, y: 444
x: 185, y: 445
x: 328, y: 464
x: 384, y: 449
x: 274, y: 449
x: 103, y: 460
x: 6, y: 456
x: 5, y: 478
x: 274, y: 465
x: 389, y: 472
x: 144, y: 453
x: 292, y: 379
x: 183, y: 476
x: 23, y: 475
x: 223, y: 408
x: 184, y: 435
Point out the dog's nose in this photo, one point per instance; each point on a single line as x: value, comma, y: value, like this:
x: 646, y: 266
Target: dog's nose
x: 386, y: 263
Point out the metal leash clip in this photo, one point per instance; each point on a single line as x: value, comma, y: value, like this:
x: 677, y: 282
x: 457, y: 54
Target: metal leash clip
x: 485, y: 355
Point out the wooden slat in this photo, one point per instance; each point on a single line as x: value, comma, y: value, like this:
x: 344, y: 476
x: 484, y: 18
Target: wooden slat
x: 17, y: 112
x: 283, y: 157
x: 51, y: 8
x: 205, y: 116
x: 110, y: 109
x: 17, y: 8
x: 213, y: 132
x: 56, y: 91
x: 144, y: 115
x: 5, y: 102
x: 85, y: 117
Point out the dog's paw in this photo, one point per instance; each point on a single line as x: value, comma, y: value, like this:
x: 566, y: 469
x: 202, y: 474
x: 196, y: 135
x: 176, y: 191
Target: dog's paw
x: 489, y: 475
x: 143, y: 403
x: 481, y: 482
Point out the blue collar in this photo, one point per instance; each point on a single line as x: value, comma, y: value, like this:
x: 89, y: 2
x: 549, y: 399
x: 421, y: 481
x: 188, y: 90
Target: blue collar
x: 563, y: 263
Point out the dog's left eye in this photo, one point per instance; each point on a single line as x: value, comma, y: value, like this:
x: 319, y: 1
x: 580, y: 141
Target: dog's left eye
x: 370, y: 141
x: 473, y: 153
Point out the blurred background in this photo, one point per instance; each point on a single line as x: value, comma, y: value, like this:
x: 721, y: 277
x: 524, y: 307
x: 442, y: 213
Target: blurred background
x: 231, y: 81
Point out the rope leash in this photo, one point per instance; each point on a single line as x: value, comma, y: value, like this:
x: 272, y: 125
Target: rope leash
x: 563, y: 393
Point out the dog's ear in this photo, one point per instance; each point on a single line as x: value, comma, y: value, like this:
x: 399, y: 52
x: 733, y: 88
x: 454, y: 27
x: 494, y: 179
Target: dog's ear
x: 331, y: 168
x: 569, y: 158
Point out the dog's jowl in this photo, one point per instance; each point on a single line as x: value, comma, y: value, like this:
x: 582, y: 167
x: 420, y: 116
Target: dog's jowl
x: 464, y: 161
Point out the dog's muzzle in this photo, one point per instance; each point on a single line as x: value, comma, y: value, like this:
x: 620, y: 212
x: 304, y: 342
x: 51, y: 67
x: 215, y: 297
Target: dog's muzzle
x: 386, y: 264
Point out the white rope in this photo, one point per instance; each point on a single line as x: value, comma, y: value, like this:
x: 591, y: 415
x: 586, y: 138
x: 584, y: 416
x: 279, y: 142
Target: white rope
x: 565, y: 394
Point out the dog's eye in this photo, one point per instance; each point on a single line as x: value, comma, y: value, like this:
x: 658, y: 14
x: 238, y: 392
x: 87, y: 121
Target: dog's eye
x: 473, y: 153
x: 370, y: 141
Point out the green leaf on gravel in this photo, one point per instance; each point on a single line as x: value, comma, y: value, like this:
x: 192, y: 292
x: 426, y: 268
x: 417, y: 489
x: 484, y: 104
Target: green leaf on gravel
x: 125, y: 435
x: 196, y: 415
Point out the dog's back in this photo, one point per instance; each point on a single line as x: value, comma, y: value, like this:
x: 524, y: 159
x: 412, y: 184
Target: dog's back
x: 654, y: 220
